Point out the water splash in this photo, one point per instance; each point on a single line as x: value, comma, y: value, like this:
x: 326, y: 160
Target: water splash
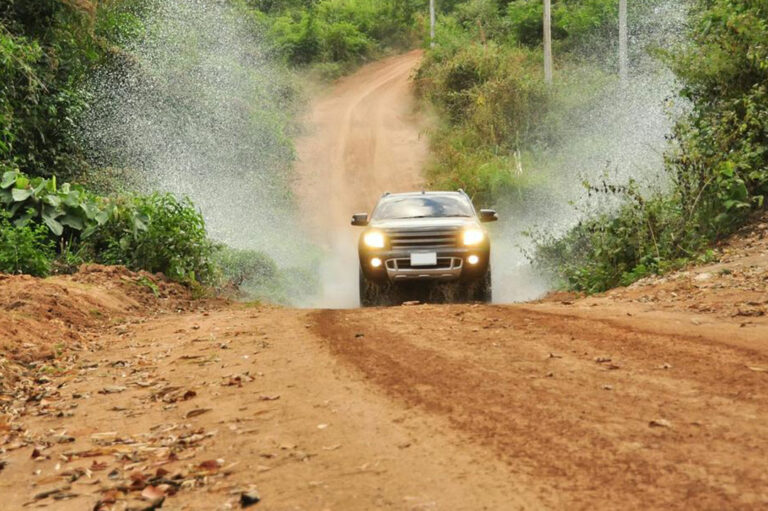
x: 621, y: 135
x: 196, y: 107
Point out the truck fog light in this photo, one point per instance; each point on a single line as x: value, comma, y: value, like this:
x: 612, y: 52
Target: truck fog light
x: 473, y: 259
x: 376, y: 262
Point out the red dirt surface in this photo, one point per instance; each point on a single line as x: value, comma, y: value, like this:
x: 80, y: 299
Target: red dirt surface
x: 649, y: 397
x: 40, y: 317
x: 634, y: 399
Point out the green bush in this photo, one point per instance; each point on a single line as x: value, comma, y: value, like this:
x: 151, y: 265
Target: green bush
x: 493, y: 103
x: 340, y: 31
x: 156, y: 233
x: 254, y: 275
x: 47, y: 49
x: 718, y: 173
x: 238, y: 268
x: 26, y: 249
x: 67, y: 211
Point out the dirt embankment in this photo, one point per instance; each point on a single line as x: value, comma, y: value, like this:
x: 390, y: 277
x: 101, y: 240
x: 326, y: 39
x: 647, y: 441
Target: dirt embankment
x: 39, y: 318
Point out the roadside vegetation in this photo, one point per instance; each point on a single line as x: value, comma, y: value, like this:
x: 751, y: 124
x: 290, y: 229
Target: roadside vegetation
x: 49, y: 50
x: 60, y: 207
x: 498, y: 117
x: 718, y: 170
x: 331, y: 37
x: 485, y: 79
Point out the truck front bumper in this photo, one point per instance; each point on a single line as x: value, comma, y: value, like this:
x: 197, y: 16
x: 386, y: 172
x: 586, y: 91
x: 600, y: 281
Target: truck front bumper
x: 453, y: 264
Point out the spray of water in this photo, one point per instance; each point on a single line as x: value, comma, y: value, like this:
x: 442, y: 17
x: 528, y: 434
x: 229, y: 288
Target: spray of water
x: 197, y: 108
x: 620, y: 136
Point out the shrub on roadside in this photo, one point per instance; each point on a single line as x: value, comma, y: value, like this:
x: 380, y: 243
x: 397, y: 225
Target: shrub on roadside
x: 718, y: 173
x: 340, y: 31
x: 24, y: 249
x: 237, y: 268
x: 156, y: 233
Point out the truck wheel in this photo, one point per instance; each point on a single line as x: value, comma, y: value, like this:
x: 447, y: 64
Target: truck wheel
x: 372, y: 293
x: 483, y: 289
x: 486, y: 289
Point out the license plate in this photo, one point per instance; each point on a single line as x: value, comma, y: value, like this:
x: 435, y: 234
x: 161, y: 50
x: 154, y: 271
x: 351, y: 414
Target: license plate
x: 424, y: 259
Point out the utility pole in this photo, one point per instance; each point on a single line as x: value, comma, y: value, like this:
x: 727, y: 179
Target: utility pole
x: 431, y: 23
x: 548, y: 41
x: 623, y: 42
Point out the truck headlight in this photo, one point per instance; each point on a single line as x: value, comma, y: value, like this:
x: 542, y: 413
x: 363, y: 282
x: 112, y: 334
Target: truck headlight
x: 373, y: 239
x: 473, y: 236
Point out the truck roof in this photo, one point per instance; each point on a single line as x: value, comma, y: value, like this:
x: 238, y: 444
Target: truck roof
x: 416, y: 194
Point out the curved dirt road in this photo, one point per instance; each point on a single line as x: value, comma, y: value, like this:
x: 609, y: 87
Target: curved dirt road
x: 364, y: 137
x: 651, y: 397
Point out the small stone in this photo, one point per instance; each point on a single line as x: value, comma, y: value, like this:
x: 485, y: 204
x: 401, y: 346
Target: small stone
x: 112, y: 389
x: 249, y: 498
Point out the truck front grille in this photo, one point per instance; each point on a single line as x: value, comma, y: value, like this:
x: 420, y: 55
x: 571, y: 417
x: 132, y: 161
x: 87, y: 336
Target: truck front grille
x: 443, y: 263
x: 421, y: 240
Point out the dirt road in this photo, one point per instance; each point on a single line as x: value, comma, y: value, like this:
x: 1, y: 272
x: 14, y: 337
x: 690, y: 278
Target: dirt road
x: 363, y: 137
x: 627, y: 401
x: 118, y: 391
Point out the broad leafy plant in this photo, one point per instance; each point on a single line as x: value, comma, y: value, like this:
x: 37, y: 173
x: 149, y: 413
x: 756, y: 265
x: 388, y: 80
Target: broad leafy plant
x: 39, y: 200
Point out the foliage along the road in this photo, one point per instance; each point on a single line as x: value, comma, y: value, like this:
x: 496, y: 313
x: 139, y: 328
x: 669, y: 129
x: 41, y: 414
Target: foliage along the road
x: 157, y: 232
x: 39, y: 199
x: 497, y: 115
x: 484, y: 77
x: 718, y: 172
x: 334, y: 35
x: 49, y: 50
x: 45, y: 227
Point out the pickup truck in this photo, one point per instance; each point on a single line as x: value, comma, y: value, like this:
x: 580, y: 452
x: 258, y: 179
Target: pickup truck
x: 424, y: 239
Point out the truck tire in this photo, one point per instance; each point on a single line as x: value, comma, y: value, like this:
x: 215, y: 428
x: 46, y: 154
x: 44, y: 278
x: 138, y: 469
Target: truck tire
x: 373, y: 294
x: 479, y: 290
x: 484, y: 288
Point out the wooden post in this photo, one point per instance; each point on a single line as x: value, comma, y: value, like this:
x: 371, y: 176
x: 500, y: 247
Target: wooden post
x: 548, y: 41
x: 432, y: 23
x: 623, y: 42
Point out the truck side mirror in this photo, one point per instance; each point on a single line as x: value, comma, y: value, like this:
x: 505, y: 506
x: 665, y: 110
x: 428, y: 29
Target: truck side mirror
x: 488, y: 215
x: 360, y: 219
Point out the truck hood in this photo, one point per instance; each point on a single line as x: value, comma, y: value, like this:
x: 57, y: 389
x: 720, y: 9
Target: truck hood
x: 424, y: 223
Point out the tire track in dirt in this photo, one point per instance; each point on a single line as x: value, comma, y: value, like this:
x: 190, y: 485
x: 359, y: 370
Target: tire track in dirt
x: 568, y: 401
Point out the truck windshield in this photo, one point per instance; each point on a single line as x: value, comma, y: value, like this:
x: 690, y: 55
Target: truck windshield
x: 422, y: 207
